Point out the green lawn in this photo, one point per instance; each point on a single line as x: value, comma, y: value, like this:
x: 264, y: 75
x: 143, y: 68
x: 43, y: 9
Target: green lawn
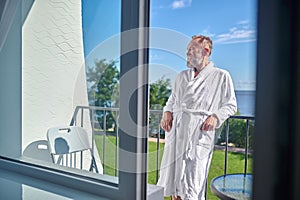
x: 235, y: 161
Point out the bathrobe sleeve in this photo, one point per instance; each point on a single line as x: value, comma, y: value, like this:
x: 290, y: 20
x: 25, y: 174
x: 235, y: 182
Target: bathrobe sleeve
x: 228, y: 105
x: 172, y: 98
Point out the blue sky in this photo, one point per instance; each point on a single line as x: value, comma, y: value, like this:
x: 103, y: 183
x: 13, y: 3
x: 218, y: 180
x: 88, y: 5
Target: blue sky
x: 230, y: 23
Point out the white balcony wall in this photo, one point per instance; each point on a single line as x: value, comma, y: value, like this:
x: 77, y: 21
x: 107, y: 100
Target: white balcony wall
x: 53, y: 68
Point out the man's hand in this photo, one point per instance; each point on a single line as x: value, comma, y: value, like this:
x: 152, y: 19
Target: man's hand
x: 210, y: 123
x: 166, y: 121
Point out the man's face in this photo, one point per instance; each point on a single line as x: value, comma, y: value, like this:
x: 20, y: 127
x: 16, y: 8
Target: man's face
x: 196, y: 52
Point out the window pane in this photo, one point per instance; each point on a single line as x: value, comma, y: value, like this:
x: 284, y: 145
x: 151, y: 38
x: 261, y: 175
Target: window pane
x: 232, y: 27
x: 70, y: 76
x: 102, y: 60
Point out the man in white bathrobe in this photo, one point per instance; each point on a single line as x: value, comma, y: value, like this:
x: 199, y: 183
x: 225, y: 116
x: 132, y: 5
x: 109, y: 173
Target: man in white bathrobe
x: 201, y: 100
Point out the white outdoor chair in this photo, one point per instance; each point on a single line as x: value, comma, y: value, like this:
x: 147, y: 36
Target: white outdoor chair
x: 68, y: 146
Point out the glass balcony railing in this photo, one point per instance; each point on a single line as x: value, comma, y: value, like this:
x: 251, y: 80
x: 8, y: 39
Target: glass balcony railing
x: 103, y: 122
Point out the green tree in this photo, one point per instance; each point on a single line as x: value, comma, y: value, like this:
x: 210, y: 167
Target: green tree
x: 103, y: 89
x: 103, y: 80
x: 160, y: 91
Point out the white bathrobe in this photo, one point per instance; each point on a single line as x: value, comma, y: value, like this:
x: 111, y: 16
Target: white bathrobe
x: 188, y: 151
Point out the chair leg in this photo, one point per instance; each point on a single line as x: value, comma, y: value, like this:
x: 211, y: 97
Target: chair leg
x: 94, y: 165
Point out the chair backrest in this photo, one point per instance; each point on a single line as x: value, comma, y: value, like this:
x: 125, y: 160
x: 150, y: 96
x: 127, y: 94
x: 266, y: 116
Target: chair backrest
x: 39, y: 150
x: 68, y: 145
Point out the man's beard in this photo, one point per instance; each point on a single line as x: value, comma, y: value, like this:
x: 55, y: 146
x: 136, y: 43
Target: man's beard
x: 195, y: 63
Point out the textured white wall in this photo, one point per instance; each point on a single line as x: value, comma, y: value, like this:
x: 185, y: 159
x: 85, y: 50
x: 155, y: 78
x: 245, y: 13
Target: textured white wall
x: 53, y: 67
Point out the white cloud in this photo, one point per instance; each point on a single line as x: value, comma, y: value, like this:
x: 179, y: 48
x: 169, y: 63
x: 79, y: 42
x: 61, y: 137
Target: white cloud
x: 181, y: 3
x: 243, y: 22
x: 235, y: 34
x: 238, y: 34
x: 207, y: 33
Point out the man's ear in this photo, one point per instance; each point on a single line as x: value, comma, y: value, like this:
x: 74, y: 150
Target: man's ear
x: 207, y: 50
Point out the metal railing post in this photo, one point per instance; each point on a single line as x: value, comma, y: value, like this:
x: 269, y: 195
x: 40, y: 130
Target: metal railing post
x: 93, y: 128
x: 117, y: 144
x: 104, y: 138
x: 158, y: 148
x: 226, y: 147
x: 246, y: 146
x: 81, y: 121
x: 73, y: 120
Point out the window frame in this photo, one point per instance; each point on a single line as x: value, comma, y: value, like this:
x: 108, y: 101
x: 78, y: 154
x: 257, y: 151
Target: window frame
x: 276, y: 139
x: 132, y: 185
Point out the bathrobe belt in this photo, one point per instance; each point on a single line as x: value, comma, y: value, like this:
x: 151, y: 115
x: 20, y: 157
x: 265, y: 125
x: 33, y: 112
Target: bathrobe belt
x: 189, y: 142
